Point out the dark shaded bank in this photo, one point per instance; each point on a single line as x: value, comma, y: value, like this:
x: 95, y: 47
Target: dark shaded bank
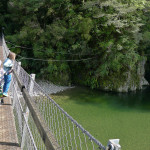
x: 138, y: 99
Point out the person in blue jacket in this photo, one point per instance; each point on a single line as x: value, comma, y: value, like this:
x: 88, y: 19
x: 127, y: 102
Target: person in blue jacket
x: 7, y: 66
x: 1, y: 79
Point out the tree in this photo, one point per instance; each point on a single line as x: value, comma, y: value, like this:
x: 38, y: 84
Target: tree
x: 106, y: 34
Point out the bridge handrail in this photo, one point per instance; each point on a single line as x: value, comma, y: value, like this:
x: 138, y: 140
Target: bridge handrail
x: 21, y: 111
x: 44, y: 131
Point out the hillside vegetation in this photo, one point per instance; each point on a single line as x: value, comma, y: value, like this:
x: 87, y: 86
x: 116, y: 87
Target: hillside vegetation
x: 108, y: 40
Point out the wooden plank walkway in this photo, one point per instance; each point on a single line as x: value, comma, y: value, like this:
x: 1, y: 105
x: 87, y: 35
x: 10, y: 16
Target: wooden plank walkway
x: 8, y: 134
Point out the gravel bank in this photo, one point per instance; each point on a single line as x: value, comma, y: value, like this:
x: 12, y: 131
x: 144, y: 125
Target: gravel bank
x: 51, y: 88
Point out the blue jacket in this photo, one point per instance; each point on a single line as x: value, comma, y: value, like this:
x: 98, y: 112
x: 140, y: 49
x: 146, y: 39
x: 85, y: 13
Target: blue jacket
x: 7, y: 65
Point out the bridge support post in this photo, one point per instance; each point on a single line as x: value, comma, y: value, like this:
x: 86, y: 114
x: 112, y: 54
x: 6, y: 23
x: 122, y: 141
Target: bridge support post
x: 18, y: 68
x: 18, y: 71
x: 31, y: 85
x: 113, y: 144
x: 26, y: 115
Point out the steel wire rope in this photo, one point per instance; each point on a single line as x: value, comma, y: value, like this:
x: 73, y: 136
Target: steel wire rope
x: 53, y: 60
x: 24, y: 47
x: 38, y: 59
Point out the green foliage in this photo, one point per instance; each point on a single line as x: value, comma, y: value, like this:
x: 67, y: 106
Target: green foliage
x: 115, y: 33
x: 85, y: 27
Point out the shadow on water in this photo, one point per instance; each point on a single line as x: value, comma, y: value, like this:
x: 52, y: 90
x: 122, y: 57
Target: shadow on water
x: 139, y: 99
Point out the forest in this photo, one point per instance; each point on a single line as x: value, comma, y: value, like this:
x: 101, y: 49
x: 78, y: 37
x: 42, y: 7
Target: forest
x: 102, y: 44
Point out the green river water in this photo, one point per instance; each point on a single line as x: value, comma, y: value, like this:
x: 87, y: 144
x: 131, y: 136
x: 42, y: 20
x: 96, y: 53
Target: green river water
x: 108, y: 115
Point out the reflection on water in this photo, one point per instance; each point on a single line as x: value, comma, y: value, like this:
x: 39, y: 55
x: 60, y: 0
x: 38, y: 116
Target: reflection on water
x: 139, y: 99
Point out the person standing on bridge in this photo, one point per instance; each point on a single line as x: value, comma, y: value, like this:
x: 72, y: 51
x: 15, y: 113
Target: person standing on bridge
x: 7, y: 66
x: 1, y: 72
x: 1, y: 80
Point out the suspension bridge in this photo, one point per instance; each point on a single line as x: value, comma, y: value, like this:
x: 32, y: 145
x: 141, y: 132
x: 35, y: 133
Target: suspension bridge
x: 31, y: 120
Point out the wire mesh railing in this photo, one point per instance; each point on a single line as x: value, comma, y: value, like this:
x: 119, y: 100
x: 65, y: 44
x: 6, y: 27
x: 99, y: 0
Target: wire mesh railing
x: 22, y: 120
x: 68, y: 133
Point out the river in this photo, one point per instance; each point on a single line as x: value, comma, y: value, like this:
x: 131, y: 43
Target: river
x: 108, y: 115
